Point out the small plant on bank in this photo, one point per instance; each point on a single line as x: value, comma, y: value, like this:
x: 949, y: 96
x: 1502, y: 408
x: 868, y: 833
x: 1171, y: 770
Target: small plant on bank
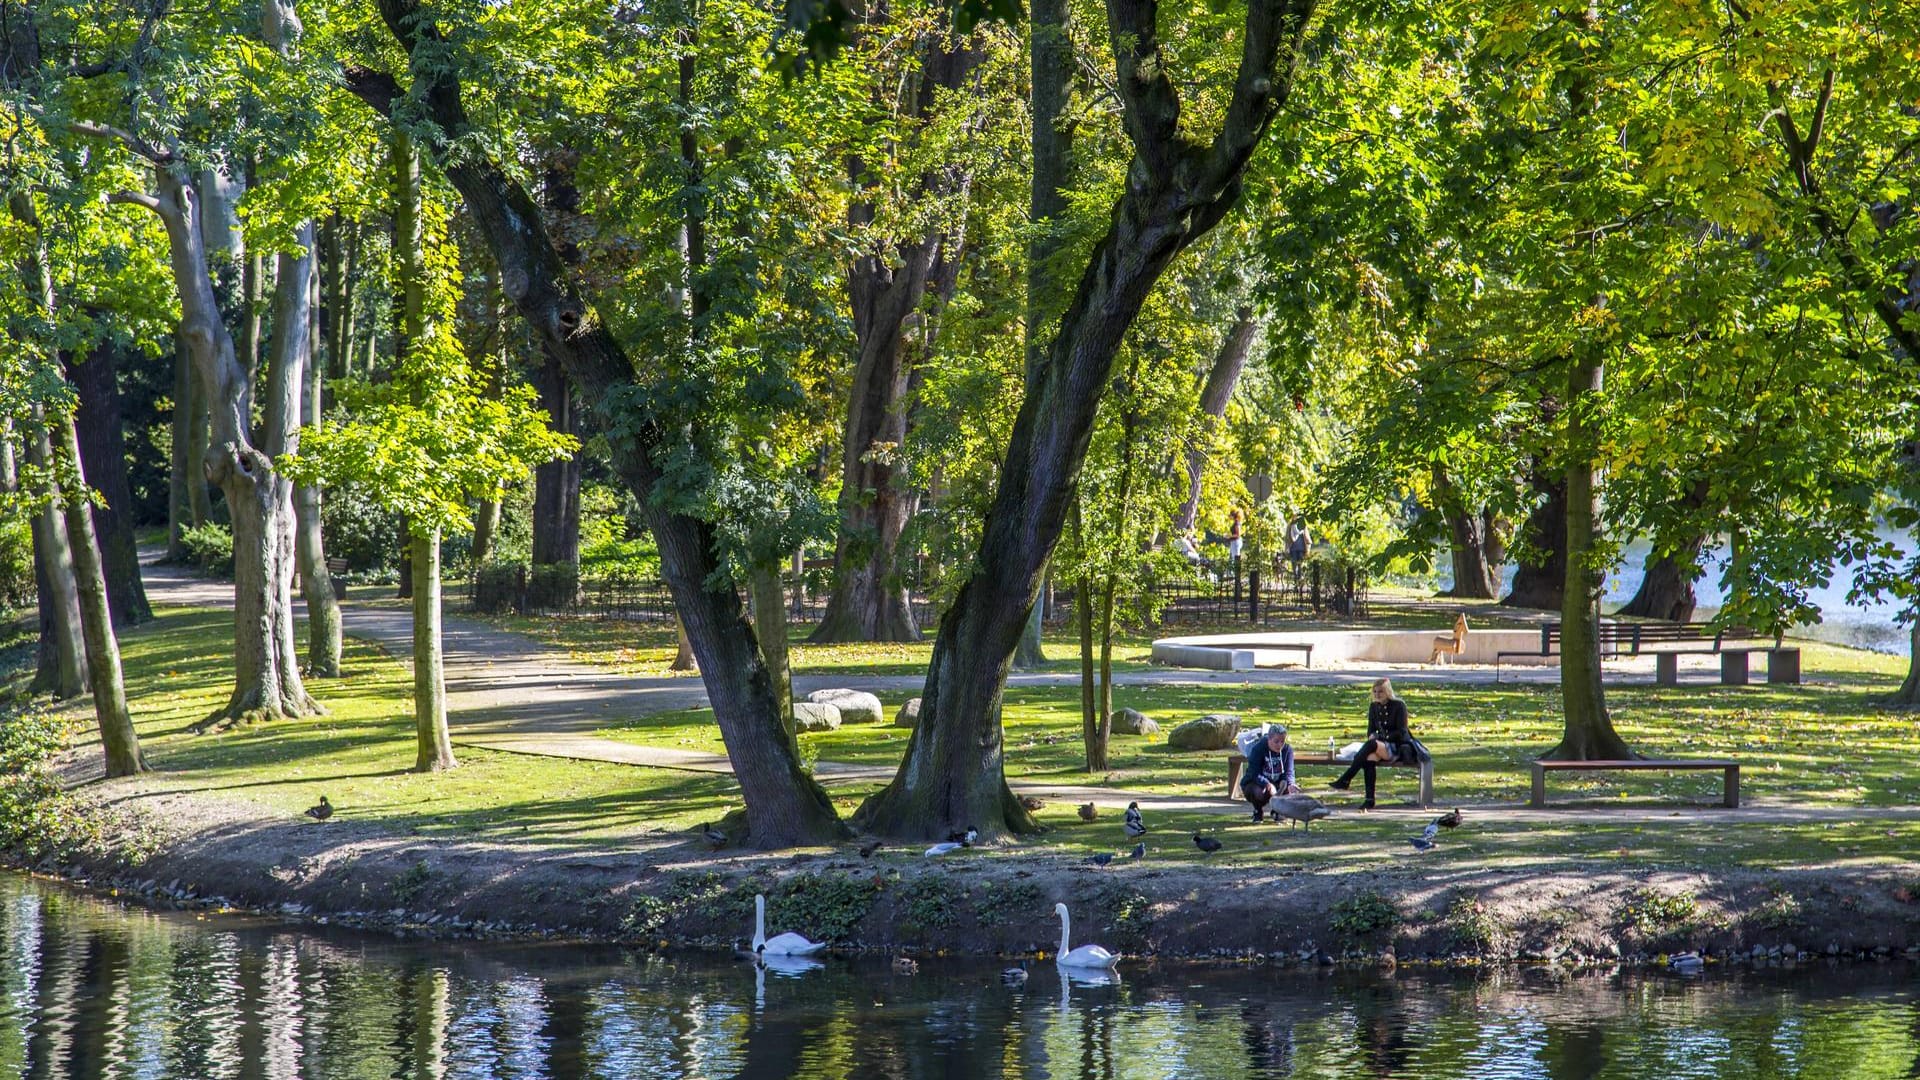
x: 825, y: 907
x: 1364, y: 914
x: 1654, y: 913
x: 1132, y: 919
x: 926, y: 904
x: 1779, y: 911
x: 645, y: 917
x: 209, y: 547
x: 411, y: 882
x: 999, y: 903
x: 38, y: 817
x: 1471, y: 927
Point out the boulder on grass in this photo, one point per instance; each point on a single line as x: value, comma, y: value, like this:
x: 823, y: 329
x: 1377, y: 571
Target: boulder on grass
x: 856, y: 706
x: 1134, y: 722
x: 909, y: 714
x: 1214, y: 731
x: 814, y: 716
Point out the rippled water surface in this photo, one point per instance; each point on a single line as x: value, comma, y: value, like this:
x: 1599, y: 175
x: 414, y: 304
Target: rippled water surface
x: 89, y: 988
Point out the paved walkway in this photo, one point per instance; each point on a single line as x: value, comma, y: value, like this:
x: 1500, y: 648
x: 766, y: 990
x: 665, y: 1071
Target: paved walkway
x: 508, y: 692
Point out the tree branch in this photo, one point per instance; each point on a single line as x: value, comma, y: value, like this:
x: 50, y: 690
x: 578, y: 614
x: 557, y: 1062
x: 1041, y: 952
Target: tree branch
x: 377, y: 88
x: 134, y: 198
x: 139, y: 146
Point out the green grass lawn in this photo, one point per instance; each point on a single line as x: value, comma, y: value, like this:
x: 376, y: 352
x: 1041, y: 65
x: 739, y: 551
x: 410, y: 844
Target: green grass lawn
x: 1824, y: 744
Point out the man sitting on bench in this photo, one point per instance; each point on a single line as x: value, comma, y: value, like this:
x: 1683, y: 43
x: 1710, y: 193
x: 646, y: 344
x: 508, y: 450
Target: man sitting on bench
x: 1451, y: 646
x: 1269, y: 771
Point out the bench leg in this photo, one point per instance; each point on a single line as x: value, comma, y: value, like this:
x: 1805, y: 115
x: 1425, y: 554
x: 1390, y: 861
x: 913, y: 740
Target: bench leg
x: 1783, y: 666
x: 1539, y: 800
x: 1666, y: 669
x: 1734, y: 668
x: 1426, y: 784
x: 1233, y: 778
x: 1732, y: 794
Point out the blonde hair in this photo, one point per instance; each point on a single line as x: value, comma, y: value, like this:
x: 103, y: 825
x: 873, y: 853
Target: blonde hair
x: 1387, y: 685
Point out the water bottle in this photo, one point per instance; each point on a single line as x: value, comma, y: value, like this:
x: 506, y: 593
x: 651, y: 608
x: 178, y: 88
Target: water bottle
x: 1331, y: 749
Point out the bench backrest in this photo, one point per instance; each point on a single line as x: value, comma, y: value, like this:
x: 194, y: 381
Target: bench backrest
x: 1614, y: 635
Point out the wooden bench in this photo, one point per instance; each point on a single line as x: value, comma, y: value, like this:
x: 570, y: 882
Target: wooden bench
x: 1731, y: 769
x: 1237, y: 762
x: 337, y: 574
x: 1637, y: 639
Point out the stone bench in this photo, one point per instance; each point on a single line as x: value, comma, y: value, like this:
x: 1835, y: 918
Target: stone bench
x: 1730, y: 792
x: 1237, y: 762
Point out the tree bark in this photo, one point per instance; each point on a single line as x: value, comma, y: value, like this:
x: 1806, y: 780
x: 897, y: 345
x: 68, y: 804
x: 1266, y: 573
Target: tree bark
x: 953, y: 775
x: 1102, y: 730
x: 1473, y: 579
x: 1030, y: 654
x: 784, y: 806
x: 1908, y: 695
x: 181, y: 470
x: 62, y: 667
x: 104, y: 454
x: 1222, y: 377
x: 118, y: 741
x: 683, y: 658
x: 770, y: 628
x: 433, y: 742
x: 556, y: 484
x: 324, y: 627
x: 1666, y: 586
x: 1540, y: 579
x: 1589, y: 734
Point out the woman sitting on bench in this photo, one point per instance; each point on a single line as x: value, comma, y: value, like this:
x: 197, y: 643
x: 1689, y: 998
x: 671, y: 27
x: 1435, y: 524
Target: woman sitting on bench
x: 1269, y: 771
x: 1388, y: 739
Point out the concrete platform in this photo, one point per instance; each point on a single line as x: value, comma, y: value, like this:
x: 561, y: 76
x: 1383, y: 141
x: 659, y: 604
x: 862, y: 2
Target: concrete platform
x: 1255, y: 649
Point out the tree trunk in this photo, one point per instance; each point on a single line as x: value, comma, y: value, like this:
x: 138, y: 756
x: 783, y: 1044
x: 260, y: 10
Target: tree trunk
x: 1589, y: 734
x: 1540, y: 579
x: 336, y: 290
x: 784, y: 806
x: 104, y: 454
x: 434, y: 744
x: 117, y: 738
x: 1222, y: 377
x: 63, y: 651
x: 1102, y: 730
x: 770, y: 628
x: 486, y: 523
x: 1908, y: 696
x: 953, y: 773
x: 1666, y: 587
x: 1030, y: 655
x: 683, y: 658
x: 324, y: 626
x: 556, y: 484
x: 1089, y: 687
x: 183, y: 470
x: 1473, y: 579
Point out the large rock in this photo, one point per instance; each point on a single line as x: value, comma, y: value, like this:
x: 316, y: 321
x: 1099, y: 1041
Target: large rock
x: 909, y: 714
x: 856, y: 706
x: 1134, y: 722
x: 814, y: 716
x: 1214, y: 731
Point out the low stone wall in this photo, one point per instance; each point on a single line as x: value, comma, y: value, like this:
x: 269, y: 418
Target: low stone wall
x: 1247, y: 651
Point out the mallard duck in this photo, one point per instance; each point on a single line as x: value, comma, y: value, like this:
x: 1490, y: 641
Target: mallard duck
x: 1032, y: 804
x: 905, y: 965
x: 1088, y: 812
x: 867, y: 850
x: 713, y: 836
x: 1086, y: 956
x: 1014, y: 976
x: 1448, y: 820
x: 321, y: 812
x: 1136, y: 826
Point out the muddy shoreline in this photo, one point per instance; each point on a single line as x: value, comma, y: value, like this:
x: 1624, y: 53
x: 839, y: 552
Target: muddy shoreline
x: 676, y: 897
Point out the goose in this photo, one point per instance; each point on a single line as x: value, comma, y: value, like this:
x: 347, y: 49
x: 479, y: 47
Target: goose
x: 321, y: 812
x: 787, y: 944
x: 1135, y: 826
x: 1086, y: 956
x: 1304, y: 809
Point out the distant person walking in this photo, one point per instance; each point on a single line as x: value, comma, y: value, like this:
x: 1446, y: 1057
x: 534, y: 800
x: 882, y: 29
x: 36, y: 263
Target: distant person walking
x: 1388, y: 739
x: 1299, y: 542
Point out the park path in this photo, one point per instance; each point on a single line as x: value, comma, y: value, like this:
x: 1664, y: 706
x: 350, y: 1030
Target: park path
x: 509, y: 692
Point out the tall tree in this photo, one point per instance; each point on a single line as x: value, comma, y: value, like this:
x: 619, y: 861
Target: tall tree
x: 95, y: 381
x: 1178, y: 186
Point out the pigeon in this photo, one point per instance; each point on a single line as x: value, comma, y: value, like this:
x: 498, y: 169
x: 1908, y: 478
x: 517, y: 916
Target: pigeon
x: 1135, y: 827
x: 1139, y: 850
x: 1014, y: 976
x: 1206, y: 843
x: 1424, y: 842
x: 1087, y: 812
x: 1032, y: 804
x: 321, y: 812
x: 867, y: 850
x: 1299, y: 808
x: 947, y: 848
x: 1101, y: 859
x: 1448, y: 820
x: 714, y: 837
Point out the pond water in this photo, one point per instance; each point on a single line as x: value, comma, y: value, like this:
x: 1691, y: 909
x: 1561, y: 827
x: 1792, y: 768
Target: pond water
x: 89, y: 988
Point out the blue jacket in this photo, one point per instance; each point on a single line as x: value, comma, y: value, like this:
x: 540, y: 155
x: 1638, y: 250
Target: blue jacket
x: 1264, y: 764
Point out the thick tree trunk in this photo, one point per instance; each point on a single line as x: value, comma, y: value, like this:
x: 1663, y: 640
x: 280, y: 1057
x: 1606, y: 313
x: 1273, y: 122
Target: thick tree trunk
x: 1589, y: 734
x: 324, y: 627
x: 104, y: 454
x: 1030, y: 654
x: 770, y: 628
x: 1540, y: 579
x: 1102, y: 730
x: 117, y: 738
x: 784, y: 806
x: 1908, y: 696
x: 1222, y: 377
x: 1666, y: 586
x: 1089, y: 685
x: 486, y: 523
x: 683, y: 658
x: 556, y: 484
x: 953, y: 773
x: 433, y: 742
x: 183, y: 469
x: 62, y: 669
x: 1473, y: 579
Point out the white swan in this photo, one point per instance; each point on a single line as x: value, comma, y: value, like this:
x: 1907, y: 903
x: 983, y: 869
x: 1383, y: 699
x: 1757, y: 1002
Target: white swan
x: 1086, y: 956
x: 788, y: 944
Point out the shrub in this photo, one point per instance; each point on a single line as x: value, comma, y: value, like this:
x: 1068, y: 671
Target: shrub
x: 209, y: 547
x: 553, y: 586
x: 1653, y: 912
x: 825, y: 907
x: 1364, y: 914
x: 500, y: 587
x: 1470, y: 926
x: 37, y: 816
x: 926, y: 904
x: 359, y: 530
x: 16, y: 561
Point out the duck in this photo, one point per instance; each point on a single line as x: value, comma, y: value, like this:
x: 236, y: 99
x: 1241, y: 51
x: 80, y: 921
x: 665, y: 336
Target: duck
x: 1086, y: 956
x: 321, y: 812
x: 905, y: 965
x: 1136, y: 827
x: 1032, y: 804
x: 1304, y: 809
x: 1449, y: 820
x: 715, y: 838
x: 1206, y: 843
x: 1686, y: 961
x: 867, y: 850
x: 1088, y: 812
x: 1014, y: 976
x: 787, y: 944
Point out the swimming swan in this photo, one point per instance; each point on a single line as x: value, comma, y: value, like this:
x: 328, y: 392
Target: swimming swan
x: 1086, y: 956
x: 788, y: 944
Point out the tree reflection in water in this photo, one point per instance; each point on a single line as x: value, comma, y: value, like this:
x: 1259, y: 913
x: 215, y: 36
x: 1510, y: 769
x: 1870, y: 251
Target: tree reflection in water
x: 91, y: 989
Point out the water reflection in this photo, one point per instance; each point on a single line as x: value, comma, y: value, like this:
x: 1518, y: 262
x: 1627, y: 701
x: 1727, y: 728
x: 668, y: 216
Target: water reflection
x: 89, y: 989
